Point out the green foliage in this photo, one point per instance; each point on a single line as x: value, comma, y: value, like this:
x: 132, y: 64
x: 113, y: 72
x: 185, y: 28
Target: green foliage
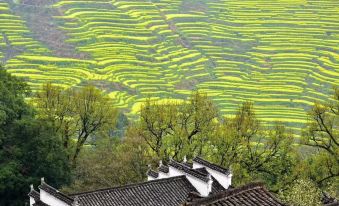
x: 113, y: 162
x: 268, y: 157
x: 175, y: 130
x: 76, y: 114
x: 253, y: 151
x: 232, y: 133
x: 242, y: 143
x: 331, y: 189
x: 28, y: 147
x: 12, y: 92
x: 302, y: 193
x: 322, y: 136
x: 224, y: 145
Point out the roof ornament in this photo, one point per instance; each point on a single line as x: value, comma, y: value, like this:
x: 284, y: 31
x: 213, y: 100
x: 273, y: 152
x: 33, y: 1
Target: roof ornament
x: 42, y: 180
x: 76, y: 201
x: 149, y: 166
x: 32, y: 187
x: 160, y: 163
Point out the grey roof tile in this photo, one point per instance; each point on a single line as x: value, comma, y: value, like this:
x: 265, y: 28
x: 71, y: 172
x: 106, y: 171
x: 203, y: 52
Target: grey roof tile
x: 163, y: 169
x: 35, y: 195
x: 188, y: 170
x: 252, y: 195
x: 39, y: 203
x: 216, y: 186
x: 167, y: 192
x: 152, y: 173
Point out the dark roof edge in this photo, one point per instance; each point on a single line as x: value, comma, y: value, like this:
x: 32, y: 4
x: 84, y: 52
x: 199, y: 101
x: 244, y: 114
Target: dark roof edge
x: 44, y: 184
x: 128, y: 186
x: 272, y: 196
x: 211, y: 165
x: 219, y: 196
x: 40, y: 203
x: 163, y: 169
x: 189, y: 171
x: 152, y: 173
x: 34, y: 194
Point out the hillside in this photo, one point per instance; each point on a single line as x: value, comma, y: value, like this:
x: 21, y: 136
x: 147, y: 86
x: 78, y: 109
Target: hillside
x: 282, y: 54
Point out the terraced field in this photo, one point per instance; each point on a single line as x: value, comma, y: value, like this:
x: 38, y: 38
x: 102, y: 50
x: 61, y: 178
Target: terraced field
x: 281, y: 54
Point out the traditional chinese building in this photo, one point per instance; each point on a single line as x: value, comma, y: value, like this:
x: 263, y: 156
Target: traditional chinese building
x: 178, y: 183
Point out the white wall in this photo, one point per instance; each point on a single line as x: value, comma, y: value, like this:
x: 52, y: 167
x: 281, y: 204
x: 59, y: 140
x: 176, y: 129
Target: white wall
x: 149, y: 178
x: 224, y: 180
x: 201, y: 186
x: 173, y: 172
x: 31, y: 201
x: 163, y: 175
x: 51, y: 200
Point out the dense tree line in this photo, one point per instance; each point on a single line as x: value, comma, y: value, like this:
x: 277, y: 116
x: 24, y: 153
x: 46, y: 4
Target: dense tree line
x: 29, y: 148
x: 68, y: 136
x: 298, y: 169
x: 77, y: 115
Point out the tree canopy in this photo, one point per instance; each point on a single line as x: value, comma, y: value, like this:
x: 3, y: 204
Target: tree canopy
x: 195, y: 128
x: 77, y: 114
x: 72, y: 131
x: 322, y: 137
x: 28, y: 147
x: 175, y: 129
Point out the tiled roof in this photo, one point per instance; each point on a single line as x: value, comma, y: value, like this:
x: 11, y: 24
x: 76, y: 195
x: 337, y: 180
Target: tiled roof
x: 202, y: 170
x: 34, y: 194
x: 152, y: 173
x: 166, y: 192
x: 252, y: 195
x: 211, y: 165
x: 188, y: 164
x: 216, y: 186
x: 163, y: 169
x: 188, y: 170
x: 52, y: 191
x: 39, y: 203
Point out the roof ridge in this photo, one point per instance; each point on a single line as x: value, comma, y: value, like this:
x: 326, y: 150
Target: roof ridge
x: 33, y: 191
x: 57, y: 191
x: 34, y: 194
x: 129, y: 185
x: 240, y: 190
x: 189, y: 170
x: 211, y: 165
